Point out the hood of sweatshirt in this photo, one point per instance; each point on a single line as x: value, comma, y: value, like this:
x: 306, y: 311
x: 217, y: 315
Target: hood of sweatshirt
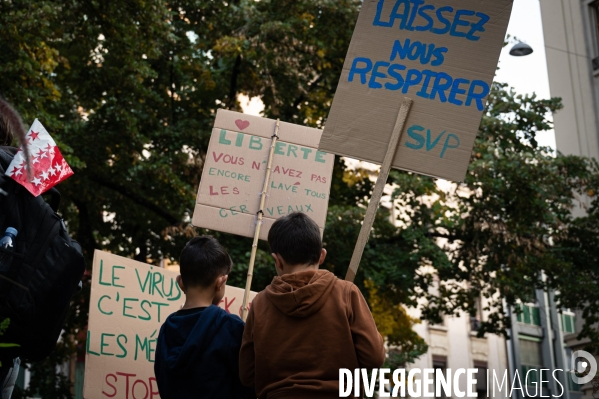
x: 301, y: 294
x: 188, y: 336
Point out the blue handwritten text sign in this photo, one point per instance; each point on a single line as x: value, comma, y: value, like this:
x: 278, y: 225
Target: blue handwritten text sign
x: 441, y: 54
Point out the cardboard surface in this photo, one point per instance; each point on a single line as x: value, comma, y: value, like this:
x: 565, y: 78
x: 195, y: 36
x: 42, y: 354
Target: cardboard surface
x: 441, y: 54
x: 235, y: 168
x: 129, y: 302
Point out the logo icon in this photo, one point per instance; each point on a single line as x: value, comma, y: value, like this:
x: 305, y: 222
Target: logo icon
x: 581, y: 366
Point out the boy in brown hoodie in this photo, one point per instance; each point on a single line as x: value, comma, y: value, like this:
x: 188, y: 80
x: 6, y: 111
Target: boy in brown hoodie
x: 307, y: 324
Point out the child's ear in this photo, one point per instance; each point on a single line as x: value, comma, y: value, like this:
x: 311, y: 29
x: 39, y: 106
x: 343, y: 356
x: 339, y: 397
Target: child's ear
x: 278, y: 263
x: 180, y: 283
x: 323, y: 255
x: 221, y: 281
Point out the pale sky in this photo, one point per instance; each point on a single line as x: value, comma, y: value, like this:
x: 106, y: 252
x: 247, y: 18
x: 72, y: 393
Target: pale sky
x: 526, y: 74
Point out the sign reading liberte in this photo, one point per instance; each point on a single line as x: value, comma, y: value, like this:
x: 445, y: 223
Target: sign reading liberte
x: 129, y: 302
x: 235, y: 168
x: 443, y: 55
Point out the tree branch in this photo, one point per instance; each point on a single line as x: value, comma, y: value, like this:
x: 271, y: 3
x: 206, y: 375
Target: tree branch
x: 137, y: 198
x: 85, y: 235
x: 233, y: 84
x: 302, y: 96
x: 450, y: 237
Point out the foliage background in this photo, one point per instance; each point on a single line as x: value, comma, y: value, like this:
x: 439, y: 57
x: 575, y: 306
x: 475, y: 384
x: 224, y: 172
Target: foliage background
x: 129, y: 90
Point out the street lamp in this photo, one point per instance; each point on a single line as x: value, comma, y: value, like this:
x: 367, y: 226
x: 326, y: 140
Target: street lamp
x: 521, y: 49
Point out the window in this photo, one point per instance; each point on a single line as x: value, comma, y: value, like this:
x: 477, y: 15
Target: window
x: 571, y: 384
x: 530, y: 352
x: 440, y: 324
x: 530, y: 357
x: 440, y: 362
x: 595, y: 18
x: 594, y: 9
x: 476, y: 320
x: 481, y: 379
x: 568, y: 322
x: 528, y: 314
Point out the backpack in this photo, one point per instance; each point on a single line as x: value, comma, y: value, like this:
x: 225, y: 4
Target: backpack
x: 41, y: 274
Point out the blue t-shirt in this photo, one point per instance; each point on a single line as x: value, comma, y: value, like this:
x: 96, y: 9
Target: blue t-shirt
x: 197, y: 355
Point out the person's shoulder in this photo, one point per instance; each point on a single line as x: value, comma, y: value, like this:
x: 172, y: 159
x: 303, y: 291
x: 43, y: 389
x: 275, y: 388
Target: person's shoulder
x: 169, y: 318
x: 10, y: 150
x: 231, y: 326
x: 344, y: 288
x: 340, y: 282
x: 6, y: 155
x: 230, y: 321
x: 261, y: 295
x: 347, y: 295
x: 167, y: 326
x: 260, y: 299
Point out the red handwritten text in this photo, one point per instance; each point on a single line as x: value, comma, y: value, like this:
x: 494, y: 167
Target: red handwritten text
x: 226, y: 158
x: 224, y: 190
x: 318, y: 178
x: 132, y: 387
x: 287, y: 171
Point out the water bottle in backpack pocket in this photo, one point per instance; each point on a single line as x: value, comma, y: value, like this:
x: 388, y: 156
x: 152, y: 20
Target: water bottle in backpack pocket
x: 10, y: 261
x: 7, y: 246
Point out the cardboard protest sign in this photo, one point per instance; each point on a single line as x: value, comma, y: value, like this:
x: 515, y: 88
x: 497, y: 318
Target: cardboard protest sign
x: 129, y: 302
x: 235, y: 168
x: 443, y: 55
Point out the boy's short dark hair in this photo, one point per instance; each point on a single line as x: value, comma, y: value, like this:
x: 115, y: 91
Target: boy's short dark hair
x: 202, y: 261
x: 296, y: 238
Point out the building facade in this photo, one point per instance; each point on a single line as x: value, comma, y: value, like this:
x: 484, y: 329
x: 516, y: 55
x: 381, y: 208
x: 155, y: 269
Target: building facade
x: 454, y: 344
x: 571, y: 33
x: 537, y: 349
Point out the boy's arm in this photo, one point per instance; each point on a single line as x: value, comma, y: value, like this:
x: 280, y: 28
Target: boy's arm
x: 368, y: 342
x: 247, y: 359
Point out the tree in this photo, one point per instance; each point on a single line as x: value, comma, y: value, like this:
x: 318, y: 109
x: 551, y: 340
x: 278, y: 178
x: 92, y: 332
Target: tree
x: 509, y: 227
x: 129, y: 90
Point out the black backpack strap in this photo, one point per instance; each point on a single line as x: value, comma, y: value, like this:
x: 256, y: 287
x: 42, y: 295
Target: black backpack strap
x: 6, y: 156
x: 54, y: 198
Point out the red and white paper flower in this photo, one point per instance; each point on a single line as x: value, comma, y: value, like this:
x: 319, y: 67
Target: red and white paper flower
x: 48, y: 167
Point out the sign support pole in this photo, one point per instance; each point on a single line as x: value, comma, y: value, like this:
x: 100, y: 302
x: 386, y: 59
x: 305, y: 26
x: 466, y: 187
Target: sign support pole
x: 260, y: 215
x: 377, y: 193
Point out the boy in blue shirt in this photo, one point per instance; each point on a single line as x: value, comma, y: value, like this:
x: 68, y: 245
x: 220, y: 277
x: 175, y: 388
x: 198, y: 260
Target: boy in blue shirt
x: 197, y: 353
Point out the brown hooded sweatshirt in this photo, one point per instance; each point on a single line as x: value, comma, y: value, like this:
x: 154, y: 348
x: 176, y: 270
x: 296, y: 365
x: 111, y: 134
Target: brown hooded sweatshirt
x: 301, y: 330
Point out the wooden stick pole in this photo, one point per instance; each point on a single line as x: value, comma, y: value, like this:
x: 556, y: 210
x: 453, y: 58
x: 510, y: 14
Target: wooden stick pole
x: 377, y: 193
x: 260, y: 215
